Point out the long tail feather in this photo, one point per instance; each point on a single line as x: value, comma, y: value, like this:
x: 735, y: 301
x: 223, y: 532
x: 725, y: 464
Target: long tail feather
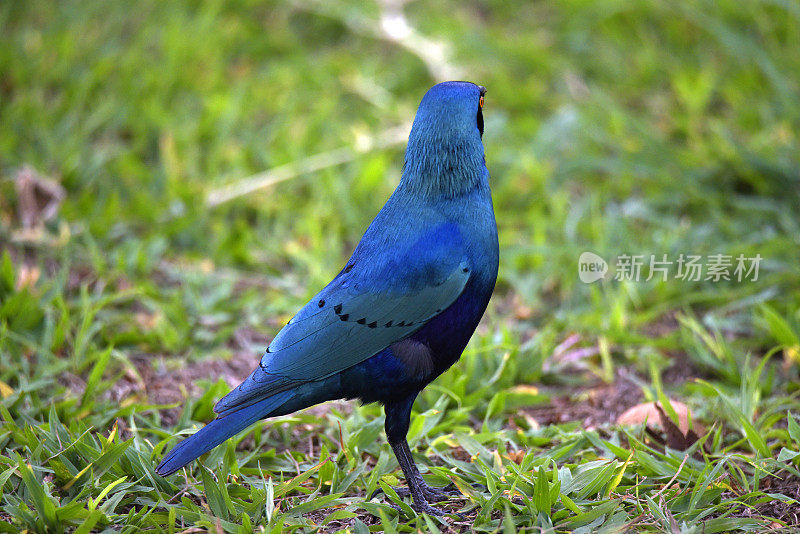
x: 218, y: 431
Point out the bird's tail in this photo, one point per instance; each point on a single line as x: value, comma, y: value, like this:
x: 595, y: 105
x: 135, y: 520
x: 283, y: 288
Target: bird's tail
x: 218, y: 431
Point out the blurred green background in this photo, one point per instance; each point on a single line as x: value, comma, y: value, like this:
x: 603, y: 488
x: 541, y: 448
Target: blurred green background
x: 653, y: 127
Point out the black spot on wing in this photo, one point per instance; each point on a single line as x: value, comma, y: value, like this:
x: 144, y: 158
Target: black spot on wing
x: 262, y: 363
x: 339, y: 311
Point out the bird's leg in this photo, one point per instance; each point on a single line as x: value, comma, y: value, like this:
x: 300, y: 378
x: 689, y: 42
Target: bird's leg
x: 397, y: 420
x: 431, y: 494
x: 414, y: 479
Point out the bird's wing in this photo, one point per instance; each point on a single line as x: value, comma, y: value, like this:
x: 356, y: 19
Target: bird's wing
x: 349, y: 321
x: 350, y: 327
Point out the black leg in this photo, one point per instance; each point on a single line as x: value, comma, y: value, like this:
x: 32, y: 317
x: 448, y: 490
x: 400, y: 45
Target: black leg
x: 397, y: 421
x: 414, y: 478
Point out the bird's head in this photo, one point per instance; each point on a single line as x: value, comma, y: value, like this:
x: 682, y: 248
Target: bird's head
x: 450, y: 109
x: 445, y: 149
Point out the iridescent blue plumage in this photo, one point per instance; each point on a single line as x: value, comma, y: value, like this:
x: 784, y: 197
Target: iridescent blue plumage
x: 405, y: 305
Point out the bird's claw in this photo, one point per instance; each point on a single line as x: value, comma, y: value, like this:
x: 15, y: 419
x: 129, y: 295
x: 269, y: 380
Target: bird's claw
x: 432, y: 494
x: 426, y: 508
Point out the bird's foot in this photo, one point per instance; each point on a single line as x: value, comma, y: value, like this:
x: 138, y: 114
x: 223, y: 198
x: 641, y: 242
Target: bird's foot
x: 426, y: 508
x: 431, y: 493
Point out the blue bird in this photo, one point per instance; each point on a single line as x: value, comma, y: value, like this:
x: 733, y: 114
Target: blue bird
x: 404, y: 306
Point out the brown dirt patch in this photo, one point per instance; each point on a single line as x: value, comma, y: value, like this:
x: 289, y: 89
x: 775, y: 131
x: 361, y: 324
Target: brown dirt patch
x: 593, y: 407
x: 788, y: 485
x: 158, y: 380
x: 786, y: 512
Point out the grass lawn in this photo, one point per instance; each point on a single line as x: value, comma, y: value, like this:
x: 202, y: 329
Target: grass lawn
x: 146, y: 261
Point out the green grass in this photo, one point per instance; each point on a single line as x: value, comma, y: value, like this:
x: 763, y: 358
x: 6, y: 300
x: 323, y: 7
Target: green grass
x: 649, y: 127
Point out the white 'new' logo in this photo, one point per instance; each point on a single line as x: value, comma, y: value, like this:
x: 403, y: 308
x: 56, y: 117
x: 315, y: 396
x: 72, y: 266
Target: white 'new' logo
x: 591, y: 267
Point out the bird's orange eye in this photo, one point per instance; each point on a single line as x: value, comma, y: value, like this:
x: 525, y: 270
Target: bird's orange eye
x: 480, y: 102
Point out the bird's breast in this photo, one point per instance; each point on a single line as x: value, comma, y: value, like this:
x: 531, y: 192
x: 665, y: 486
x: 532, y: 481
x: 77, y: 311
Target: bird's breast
x: 448, y: 333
